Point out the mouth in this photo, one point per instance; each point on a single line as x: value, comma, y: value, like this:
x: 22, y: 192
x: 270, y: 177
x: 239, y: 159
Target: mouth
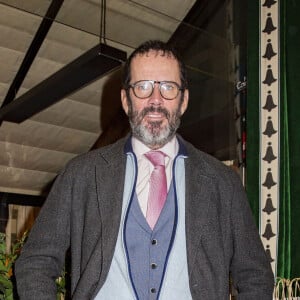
x: 155, y: 116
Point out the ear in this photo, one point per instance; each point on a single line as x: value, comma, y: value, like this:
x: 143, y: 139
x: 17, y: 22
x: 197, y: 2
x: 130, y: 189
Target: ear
x: 185, y: 101
x: 124, y: 101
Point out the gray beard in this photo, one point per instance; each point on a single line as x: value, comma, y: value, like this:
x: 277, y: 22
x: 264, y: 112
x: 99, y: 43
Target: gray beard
x: 153, y: 134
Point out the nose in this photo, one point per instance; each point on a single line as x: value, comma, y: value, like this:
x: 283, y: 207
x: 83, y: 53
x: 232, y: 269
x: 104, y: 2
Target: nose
x: 156, y: 98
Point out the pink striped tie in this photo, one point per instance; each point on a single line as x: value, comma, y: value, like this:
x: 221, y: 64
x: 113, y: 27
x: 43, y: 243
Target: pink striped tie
x: 157, y: 187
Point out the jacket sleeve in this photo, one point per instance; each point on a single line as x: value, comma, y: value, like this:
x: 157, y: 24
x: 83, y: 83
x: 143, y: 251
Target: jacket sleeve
x: 250, y: 269
x: 43, y: 255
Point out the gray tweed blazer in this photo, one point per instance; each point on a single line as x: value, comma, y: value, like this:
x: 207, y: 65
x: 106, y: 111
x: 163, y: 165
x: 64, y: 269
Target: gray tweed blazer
x: 83, y: 212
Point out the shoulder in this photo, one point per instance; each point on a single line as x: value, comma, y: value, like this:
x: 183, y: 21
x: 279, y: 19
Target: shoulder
x: 111, y: 154
x: 208, y: 166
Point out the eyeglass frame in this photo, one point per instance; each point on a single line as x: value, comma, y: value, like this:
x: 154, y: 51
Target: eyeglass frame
x: 153, y: 82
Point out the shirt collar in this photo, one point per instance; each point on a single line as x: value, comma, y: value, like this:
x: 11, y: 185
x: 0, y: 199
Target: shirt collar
x: 172, y: 148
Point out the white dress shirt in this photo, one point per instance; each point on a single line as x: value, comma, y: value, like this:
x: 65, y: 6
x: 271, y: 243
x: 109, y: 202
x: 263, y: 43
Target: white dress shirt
x: 145, y: 168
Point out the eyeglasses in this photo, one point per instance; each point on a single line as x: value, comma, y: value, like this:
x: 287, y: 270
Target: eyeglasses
x: 144, y: 89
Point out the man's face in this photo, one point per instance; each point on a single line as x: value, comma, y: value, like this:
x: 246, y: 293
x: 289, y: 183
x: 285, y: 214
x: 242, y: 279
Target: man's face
x: 154, y: 120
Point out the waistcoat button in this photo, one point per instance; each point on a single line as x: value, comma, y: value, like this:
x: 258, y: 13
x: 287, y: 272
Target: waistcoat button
x: 154, y: 242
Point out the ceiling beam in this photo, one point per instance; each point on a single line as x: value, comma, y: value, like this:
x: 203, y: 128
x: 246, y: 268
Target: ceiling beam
x: 33, y: 50
x: 88, y: 67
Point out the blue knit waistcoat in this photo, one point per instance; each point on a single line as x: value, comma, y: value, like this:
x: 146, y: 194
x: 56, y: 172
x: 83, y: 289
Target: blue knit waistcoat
x: 147, y: 250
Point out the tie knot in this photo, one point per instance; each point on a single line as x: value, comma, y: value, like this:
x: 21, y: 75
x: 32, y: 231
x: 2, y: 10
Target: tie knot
x: 157, y: 158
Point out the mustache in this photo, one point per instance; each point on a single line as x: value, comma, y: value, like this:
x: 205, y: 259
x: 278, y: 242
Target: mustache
x: 152, y: 109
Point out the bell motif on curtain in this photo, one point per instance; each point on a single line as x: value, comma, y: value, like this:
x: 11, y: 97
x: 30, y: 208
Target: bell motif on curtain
x: 269, y: 208
x: 269, y: 156
x: 269, y: 256
x: 269, y: 25
x: 269, y: 3
x: 269, y: 53
x: 269, y: 131
x: 268, y: 234
x: 269, y: 182
x: 269, y: 77
x: 269, y: 105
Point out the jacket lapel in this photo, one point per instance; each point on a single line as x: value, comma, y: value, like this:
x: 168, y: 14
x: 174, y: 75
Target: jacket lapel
x: 110, y: 184
x: 198, y: 196
x: 109, y: 177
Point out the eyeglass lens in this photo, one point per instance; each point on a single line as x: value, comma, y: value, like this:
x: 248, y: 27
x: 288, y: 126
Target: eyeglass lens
x: 144, y: 89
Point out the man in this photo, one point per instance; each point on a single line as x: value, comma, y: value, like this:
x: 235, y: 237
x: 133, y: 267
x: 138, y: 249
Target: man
x: 149, y: 217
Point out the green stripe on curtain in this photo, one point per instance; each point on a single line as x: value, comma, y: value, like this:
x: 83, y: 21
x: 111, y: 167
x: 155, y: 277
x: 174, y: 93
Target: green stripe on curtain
x: 284, y: 255
x: 289, y: 235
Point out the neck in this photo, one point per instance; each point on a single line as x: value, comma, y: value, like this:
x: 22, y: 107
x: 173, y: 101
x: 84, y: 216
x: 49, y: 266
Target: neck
x: 155, y: 146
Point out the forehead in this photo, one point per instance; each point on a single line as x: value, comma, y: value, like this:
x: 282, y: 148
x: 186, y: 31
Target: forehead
x: 155, y: 65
